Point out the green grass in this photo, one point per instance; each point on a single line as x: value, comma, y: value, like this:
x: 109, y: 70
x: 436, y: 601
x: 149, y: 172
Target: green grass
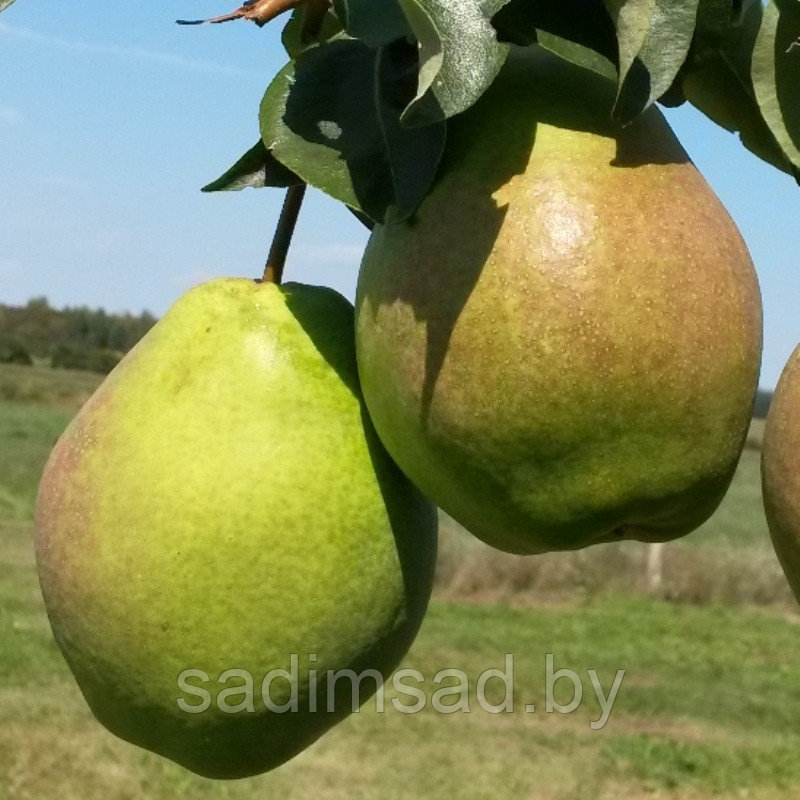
x: 708, y: 706
x: 27, y: 434
x: 35, y: 405
x: 66, y: 389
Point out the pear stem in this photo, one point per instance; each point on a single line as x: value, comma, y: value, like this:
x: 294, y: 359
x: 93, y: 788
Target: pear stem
x: 273, y: 270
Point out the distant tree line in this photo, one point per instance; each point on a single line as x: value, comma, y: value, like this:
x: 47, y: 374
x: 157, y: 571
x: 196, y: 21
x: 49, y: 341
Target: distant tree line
x: 72, y: 338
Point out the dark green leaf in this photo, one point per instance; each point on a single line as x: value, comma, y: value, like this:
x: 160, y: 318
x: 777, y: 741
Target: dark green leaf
x: 717, y: 80
x: 578, y: 54
x: 4, y: 4
x: 292, y: 36
x: 459, y: 55
x: 333, y: 117
x: 776, y: 74
x: 585, y: 22
x: 375, y: 23
x: 654, y: 38
x: 714, y: 18
x: 255, y: 169
x: 674, y: 96
x: 362, y: 218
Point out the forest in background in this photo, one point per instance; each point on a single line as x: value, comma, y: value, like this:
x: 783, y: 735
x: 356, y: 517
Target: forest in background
x: 70, y: 338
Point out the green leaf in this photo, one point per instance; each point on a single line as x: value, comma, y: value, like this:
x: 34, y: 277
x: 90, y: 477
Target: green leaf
x: 255, y: 169
x: 776, y: 74
x: 333, y: 117
x: 292, y: 38
x: 714, y: 18
x: 717, y: 81
x: 459, y: 55
x: 584, y: 22
x: 4, y: 4
x: 577, y: 54
x: 374, y: 23
x: 654, y: 38
x: 366, y: 221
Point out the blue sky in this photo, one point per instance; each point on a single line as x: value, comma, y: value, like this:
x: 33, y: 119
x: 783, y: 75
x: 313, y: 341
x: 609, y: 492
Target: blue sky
x: 110, y: 124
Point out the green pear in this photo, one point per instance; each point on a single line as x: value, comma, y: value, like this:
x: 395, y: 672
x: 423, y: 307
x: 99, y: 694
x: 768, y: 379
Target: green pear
x: 561, y: 347
x: 223, y: 503
x: 780, y: 470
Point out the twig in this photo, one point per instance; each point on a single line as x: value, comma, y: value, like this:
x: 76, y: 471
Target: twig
x: 273, y: 271
x: 259, y: 11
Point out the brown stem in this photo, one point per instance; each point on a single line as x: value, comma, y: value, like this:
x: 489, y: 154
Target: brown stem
x: 259, y: 11
x: 273, y: 271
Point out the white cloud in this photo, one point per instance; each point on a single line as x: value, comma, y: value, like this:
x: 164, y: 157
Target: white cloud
x: 120, y: 51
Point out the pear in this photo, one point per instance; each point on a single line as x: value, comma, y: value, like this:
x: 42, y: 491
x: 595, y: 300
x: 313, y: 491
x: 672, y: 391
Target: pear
x: 780, y: 470
x: 222, y: 505
x: 561, y: 347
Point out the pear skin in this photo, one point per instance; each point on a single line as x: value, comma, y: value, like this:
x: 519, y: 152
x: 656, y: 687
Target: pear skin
x: 562, y: 346
x: 223, y: 503
x: 780, y: 470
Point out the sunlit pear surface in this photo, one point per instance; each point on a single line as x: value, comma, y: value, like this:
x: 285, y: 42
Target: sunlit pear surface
x: 561, y: 347
x: 223, y: 503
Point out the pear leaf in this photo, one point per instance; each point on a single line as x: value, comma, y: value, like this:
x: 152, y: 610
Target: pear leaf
x: 292, y: 35
x: 654, y: 39
x: 776, y: 74
x: 373, y: 23
x: 4, y: 4
x: 577, y: 54
x: 714, y: 18
x: 255, y: 169
x: 717, y: 81
x: 584, y: 22
x: 459, y: 55
x: 333, y: 118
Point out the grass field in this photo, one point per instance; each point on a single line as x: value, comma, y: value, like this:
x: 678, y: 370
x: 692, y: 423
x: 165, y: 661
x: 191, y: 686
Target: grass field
x: 708, y: 706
